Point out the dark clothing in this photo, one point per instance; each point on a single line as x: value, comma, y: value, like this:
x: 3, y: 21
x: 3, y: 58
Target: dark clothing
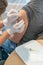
x: 2, y: 62
x: 34, y: 10
x: 3, y: 56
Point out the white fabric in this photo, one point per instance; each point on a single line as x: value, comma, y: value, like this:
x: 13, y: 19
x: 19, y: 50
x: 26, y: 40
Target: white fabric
x: 31, y: 53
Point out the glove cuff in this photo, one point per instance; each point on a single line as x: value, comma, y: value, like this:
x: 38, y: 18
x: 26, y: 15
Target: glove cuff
x: 4, y: 22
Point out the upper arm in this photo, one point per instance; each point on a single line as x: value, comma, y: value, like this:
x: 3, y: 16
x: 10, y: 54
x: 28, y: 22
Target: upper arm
x: 18, y: 36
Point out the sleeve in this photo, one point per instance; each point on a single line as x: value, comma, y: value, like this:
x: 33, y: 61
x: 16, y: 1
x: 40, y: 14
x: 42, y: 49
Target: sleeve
x: 29, y: 11
x: 40, y: 35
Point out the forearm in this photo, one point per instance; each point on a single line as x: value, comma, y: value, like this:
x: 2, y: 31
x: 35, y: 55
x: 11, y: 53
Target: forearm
x: 40, y: 37
x: 4, y: 36
x: 40, y: 41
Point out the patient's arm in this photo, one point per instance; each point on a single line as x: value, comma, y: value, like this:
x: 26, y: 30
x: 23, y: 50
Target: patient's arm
x: 40, y: 41
x: 18, y: 36
x: 40, y: 37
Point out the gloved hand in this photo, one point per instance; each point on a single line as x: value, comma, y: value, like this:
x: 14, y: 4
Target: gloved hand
x: 16, y: 28
x: 11, y: 22
x: 12, y: 17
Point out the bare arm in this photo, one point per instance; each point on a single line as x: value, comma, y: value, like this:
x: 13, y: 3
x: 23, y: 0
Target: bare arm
x: 40, y: 41
x: 18, y: 36
x: 4, y: 36
x: 40, y: 37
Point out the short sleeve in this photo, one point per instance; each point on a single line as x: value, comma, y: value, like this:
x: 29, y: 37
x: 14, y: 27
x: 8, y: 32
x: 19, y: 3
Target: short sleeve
x: 29, y: 11
x: 40, y: 35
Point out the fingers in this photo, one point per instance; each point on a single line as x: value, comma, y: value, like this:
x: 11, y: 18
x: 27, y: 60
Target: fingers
x: 19, y: 24
x: 13, y: 12
x: 19, y: 27
x: 21, y: 30
x: 13, y: 16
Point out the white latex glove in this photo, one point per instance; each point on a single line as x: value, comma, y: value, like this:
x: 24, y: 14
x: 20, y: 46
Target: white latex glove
x: 12, y: 17
x: 17, y: 28
x: 12, y: 24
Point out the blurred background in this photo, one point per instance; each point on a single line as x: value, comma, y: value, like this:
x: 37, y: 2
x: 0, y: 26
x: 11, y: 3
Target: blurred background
x: 14, y: 4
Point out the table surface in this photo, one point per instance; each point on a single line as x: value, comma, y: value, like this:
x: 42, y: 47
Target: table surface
x: 14, y: 59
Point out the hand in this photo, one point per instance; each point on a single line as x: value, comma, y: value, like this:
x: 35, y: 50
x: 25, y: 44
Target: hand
x: 12, y: 17
x: 17, y: 28
x: 12, y: 24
